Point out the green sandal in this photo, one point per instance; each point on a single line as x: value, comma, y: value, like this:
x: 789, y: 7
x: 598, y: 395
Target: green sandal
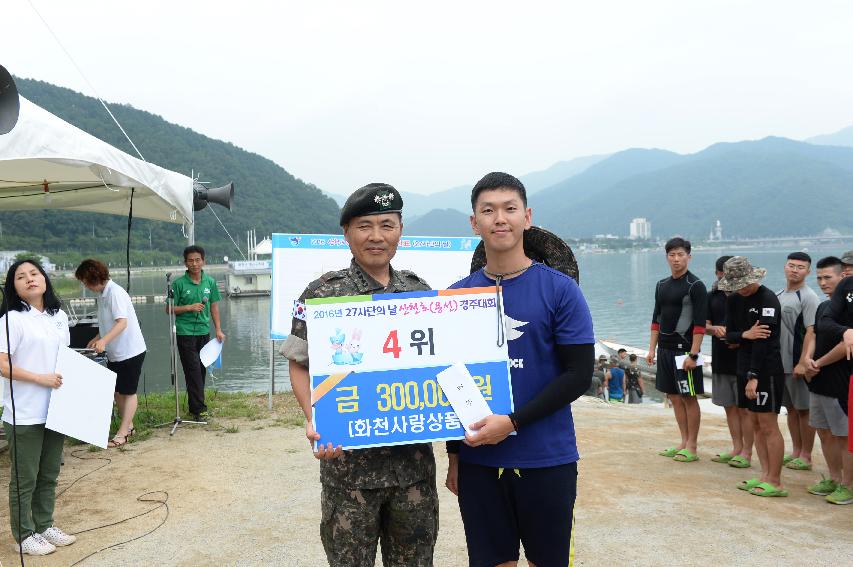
x: 798, y: 464
x: 671, y: 452
x: 723, y: 458
x: 787, y: 459
x: 740, y: 462
x: 748, y: 484
x: 767, y: 489
x: 685, y: 456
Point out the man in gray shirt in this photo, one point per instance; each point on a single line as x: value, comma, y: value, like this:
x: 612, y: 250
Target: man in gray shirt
x: 799, y: 304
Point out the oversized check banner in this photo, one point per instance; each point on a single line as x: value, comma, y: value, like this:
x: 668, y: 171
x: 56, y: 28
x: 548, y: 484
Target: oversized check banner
x: 373, y: 362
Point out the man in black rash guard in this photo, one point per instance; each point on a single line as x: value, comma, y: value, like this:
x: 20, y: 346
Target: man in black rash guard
x: 838, y: 320
x: 678, y: 327
x: 828, y: 385
x: 724, y: 390
x: 753, y: 320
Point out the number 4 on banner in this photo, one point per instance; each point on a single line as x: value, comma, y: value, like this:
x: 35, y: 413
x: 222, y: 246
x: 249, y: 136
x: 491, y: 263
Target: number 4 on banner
x: 392, y: 345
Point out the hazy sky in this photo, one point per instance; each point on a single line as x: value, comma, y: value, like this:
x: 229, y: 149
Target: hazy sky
x: 428, y: 95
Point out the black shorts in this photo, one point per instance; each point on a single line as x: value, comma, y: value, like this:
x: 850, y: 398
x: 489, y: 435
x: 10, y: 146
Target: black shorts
x: 127, y: 373
x: 672, y: 380
x: 770, y: 391
x: 504, y: 507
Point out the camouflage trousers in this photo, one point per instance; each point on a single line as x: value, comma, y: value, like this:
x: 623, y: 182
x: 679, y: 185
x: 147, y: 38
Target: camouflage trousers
x: 403, y: 519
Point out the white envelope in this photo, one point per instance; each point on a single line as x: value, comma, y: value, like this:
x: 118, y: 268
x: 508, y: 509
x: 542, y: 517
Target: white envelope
x: 464, y: 395
x: 679, y: 361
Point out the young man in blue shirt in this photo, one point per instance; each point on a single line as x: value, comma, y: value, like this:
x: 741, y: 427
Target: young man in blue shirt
x: 521, y: 488
x: 614, y: 381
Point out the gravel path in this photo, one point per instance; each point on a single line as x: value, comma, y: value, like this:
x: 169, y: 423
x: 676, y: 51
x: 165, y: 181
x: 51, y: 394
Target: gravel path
x: 252, y: 498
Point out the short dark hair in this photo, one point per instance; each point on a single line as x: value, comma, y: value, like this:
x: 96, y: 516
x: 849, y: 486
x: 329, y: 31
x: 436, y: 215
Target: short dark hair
x: 830, y: 262
x: 721, y: 262
x: 12, y: 301
x: 93, y: 272
x: 193, y: 248
x: 498, y: 180
x: 677, y: 242
x: 632, y: 357
x: 621, y: 350
x: 801, y: 256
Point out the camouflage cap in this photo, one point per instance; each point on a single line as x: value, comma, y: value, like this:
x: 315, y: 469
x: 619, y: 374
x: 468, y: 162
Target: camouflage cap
x: 372, y: 199
x: 739, y: 273
x: 847, y: 258
x: 540, y: 245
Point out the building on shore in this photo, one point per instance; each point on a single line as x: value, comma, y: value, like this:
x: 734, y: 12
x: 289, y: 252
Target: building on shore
x: 716, y: 234
x: 640, y: 229
x: 7, y: 258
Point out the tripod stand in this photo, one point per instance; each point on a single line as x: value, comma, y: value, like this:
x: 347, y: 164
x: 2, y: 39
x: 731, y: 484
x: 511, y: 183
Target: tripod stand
x: 173, y: 359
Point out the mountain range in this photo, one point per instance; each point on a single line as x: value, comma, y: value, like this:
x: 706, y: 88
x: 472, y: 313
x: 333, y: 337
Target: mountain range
x: 759, y: 188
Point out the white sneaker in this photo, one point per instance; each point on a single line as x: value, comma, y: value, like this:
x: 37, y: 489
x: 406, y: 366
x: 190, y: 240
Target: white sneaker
x: 57, y: 537
x: 36, y: 545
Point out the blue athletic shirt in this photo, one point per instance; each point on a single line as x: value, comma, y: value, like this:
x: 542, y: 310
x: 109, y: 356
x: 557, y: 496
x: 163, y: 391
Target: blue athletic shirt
x: 615, y: 384
x: 543, y: 308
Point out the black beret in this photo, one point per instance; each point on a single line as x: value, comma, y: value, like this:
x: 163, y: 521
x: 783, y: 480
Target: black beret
x: 372, y: 199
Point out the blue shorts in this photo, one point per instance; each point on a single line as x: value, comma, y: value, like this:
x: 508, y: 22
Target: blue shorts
x: 504, y: 507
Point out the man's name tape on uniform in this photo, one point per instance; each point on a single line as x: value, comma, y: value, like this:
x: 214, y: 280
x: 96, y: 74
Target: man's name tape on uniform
x: 374, y: 362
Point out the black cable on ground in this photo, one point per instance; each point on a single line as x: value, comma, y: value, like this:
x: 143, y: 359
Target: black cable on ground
x: 161, y: 503
x: 5, y: 310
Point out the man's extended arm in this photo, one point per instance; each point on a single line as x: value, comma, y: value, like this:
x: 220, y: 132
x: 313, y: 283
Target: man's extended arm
x: 214, y: 314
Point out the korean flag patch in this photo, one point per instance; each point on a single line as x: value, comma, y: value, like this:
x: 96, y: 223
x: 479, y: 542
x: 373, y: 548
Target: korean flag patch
x: 298, y: 310
x: 768, y: 312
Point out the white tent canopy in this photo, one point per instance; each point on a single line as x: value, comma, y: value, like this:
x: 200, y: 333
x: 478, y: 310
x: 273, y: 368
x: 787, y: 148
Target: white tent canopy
x: 46, y: 163
x: 264, y: 247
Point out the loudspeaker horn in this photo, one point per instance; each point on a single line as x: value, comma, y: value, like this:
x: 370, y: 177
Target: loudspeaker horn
x: 10, y: 104
x: 219, y: 195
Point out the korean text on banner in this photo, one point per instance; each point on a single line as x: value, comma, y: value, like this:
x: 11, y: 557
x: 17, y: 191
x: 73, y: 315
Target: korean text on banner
x: 299, y: 259
x: 374, y: 360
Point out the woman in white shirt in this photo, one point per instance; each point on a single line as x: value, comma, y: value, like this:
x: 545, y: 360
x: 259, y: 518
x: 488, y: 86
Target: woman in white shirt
x: 32, y: 329
x: 120, y: 337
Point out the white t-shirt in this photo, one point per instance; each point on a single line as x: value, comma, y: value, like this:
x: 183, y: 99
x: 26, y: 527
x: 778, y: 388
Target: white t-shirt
x: 34, y: 338
x: 113, y: 304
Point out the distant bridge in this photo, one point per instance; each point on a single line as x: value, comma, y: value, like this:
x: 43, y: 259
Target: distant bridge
x: 788, y: 240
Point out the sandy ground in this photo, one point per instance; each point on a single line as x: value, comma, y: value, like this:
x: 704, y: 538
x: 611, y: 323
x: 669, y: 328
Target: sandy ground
x: 251, y: 497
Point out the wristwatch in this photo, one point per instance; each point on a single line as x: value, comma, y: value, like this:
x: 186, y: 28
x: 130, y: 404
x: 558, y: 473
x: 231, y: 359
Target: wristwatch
x: 751, y: 376
x: 694, y: 356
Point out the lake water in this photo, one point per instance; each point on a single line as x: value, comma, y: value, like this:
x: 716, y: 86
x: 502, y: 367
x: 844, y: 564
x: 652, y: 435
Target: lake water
x: 618, y: 287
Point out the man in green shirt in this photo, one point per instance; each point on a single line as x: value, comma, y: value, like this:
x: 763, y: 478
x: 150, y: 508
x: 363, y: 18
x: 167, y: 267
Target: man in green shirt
x: 196, y: 302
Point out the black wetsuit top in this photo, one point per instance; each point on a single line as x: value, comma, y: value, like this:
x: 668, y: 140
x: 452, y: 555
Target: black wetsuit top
x: 725, y: 358
x: 839, y: 315
x: 680, y: 306
x: 764, y: 356
x: 833, y: 379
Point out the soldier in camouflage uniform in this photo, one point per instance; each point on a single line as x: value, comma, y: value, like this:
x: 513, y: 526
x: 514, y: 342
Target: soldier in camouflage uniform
x: 387, y: 493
